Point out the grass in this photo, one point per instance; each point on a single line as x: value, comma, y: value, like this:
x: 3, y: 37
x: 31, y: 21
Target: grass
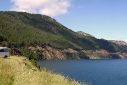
x: 6, y: 74
x: 20, y: 71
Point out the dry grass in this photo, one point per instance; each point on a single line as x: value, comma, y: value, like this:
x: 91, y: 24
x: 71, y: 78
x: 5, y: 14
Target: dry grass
x: 19, y: 71
x: 6, y: 73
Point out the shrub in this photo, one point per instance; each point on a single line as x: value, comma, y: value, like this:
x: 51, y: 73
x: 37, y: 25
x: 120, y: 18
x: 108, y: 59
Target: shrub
x: 35, y: 63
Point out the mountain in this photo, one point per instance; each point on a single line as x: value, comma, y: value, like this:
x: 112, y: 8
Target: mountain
x: 42, y: 37
x: 119, y: 42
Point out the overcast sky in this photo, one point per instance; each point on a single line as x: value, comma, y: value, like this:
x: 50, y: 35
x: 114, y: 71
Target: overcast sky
x: 105, y: 19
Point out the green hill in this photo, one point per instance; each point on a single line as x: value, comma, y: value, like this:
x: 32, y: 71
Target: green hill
x: 20, y: 71
x: 30, y: 35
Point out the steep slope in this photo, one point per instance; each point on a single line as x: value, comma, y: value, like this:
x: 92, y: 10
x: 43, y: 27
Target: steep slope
x: 20, y: 71
x: 33, y: 34
x: 32, y: 29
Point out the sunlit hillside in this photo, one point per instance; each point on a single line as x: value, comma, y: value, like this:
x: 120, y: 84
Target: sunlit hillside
x: 19, y: 71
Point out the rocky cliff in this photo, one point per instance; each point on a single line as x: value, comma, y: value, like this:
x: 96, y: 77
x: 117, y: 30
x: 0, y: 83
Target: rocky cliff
x: 49, y: 53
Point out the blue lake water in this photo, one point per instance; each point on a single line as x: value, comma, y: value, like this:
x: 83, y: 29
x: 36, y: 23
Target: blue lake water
x: 98, y: 72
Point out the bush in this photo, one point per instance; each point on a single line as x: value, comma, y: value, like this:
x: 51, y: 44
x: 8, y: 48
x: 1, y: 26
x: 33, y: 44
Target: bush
x: 82, y: 55
x: 35, y: 63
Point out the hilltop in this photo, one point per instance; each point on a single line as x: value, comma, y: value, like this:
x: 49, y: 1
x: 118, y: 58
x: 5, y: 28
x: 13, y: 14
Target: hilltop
x: 42, y: 37
x: 20, y: 71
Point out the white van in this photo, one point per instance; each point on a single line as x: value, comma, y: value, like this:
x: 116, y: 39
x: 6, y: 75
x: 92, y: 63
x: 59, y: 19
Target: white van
x: 4, y: 52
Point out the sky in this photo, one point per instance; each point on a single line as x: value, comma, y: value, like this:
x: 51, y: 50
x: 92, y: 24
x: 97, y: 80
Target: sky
x: 105, y: 19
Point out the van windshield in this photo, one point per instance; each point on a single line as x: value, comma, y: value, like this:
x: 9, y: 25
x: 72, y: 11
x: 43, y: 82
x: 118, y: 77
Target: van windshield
x: 3, y: 50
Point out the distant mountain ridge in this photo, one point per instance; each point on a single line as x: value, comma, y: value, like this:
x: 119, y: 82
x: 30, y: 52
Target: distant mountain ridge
x: 119, y: 42
x: 42, y: 37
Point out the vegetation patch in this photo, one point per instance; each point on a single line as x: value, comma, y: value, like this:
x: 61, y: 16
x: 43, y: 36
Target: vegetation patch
x: 6, y: 73
x: 20, y: 71
x: 34, y: 63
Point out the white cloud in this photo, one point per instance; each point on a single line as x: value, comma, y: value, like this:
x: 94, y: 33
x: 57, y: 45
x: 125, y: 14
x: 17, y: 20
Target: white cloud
x: 47, y: 7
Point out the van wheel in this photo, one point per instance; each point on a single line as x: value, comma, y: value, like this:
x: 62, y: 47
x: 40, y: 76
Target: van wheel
x: 5, y: 56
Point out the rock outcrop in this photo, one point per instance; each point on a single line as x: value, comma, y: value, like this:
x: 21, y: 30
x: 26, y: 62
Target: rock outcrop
x: 49, y: 53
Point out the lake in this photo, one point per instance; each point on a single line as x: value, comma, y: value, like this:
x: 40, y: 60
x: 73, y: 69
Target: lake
x: 98, y: 72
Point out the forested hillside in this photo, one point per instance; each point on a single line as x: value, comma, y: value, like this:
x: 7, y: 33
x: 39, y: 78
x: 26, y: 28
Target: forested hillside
x: 31, y: 34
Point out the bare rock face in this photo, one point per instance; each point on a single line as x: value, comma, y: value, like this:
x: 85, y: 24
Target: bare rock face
x: 103, y: 54
x: 50, y: 53
x: 118, y: 42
